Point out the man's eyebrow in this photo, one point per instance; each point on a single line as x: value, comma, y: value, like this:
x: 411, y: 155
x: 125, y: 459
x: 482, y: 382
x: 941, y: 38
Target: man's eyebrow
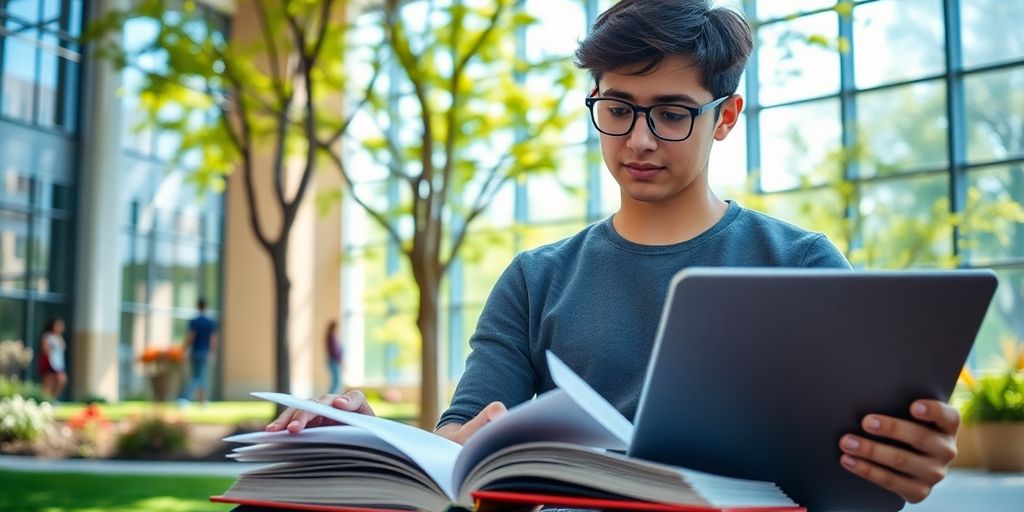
x: 667, y: 98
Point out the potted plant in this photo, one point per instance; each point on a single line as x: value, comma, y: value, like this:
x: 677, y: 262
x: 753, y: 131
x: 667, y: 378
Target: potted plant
x: 163, y: 365
x: 993, y: 409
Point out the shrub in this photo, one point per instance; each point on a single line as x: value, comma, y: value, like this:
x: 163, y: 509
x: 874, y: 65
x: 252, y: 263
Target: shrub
x: 155, y: 436
x: 88, y: 426
x: 13, y: 386
x: 14, y: 357
x: 24, y: 420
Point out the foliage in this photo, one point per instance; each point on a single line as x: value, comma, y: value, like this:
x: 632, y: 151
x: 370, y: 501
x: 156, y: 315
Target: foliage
x: 996, y: 397
x: 159, y: 360
x: 24, y: 420
x: 13, y: 386
x: 14, y: 357
x: 154, y: 436
x: 87, y: 427
x: 85, y: 492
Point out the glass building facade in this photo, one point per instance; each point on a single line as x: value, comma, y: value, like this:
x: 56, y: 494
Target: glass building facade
x: 905, y: 146
x: 170, y: 233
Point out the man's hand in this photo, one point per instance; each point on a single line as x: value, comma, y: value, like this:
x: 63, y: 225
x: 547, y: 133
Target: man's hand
x: 459, y: 432
x: 904, y: 472
x: 295, y: 420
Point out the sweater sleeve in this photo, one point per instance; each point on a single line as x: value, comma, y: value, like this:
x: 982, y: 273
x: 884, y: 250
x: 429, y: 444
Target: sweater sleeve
x: 498, y: 367
x: 822, y: 254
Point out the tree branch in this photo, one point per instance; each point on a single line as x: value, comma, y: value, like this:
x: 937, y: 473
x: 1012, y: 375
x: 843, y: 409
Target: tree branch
x: 275, y: 61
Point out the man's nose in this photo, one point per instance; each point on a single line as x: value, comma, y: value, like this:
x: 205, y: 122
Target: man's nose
x: 641, y: 138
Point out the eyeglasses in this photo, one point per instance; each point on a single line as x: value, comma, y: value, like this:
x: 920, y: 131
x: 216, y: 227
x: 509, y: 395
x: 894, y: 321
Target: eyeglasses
x: 667, y: 121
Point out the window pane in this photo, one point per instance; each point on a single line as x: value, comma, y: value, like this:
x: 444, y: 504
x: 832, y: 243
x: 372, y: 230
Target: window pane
x: 1002, y: 323
x: 988, y: 233
x: 880, y: 27
x: 133, y: 268
x: 902, y: 128
x: 799, y: 145
x: 791, y: 66
x: 12, y: 321
x: 559, y: 196
x: 727, y: 169
x: 13, y: 249
x: 485, y: 256
x: 995, y: 115
x: 820, y: 210
x: 49, y: 89
x: 768, y: 9
x: 901, y: 224
x: 18, y: 78
x: 186, y: 275
x: 52, y: 255
x: 991, y: 31
x: 15, y: 187
x: 211, y: 278
x: 163, y: 284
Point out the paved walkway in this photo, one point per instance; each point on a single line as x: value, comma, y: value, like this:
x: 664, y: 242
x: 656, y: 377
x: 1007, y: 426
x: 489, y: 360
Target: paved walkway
x: 963, y: 490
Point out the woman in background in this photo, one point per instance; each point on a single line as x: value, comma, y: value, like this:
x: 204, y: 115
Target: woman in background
x: 334, y: 355
x: 51, y: 361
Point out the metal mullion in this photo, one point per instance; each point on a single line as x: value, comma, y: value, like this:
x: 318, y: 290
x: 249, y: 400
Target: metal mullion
x: 956, y: 114
x: 591, y: 144
x: 3, y: 45
x: 848, y: 120
x: 39, y: 68
x: 1011, y: 263
x: 801, y: 14
x: 751, y: 89
x: 994, y: 163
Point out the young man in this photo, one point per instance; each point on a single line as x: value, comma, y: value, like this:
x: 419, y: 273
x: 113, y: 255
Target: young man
x: 665, y: 74
x: 200, y: 342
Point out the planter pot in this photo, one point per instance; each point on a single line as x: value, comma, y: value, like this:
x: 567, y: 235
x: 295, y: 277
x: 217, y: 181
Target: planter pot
x: 165, y: 385
x: 1000, y: 445
x: 966, y: 449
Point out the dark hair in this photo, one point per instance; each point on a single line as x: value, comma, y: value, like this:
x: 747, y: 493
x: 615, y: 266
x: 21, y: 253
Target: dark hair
x: 201, y: 304
x: 645, y: 32
x: 50, y: 324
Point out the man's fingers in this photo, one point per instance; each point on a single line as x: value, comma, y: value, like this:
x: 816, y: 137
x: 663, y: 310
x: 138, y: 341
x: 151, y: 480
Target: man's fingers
x: 911, y: 490
x: 493, y: 411
x: 930, y: 442
x: 919, y: 467
x: 354, y: 401
x: 943, y: 415
x: 281, y: 421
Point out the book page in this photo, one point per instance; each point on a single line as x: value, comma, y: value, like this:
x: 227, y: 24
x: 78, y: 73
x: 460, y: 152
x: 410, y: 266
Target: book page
x: 574, y: 413
x: 433, y: 453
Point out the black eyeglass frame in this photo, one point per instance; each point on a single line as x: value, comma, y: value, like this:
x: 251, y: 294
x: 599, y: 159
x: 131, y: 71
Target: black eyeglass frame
x: 646, y: 111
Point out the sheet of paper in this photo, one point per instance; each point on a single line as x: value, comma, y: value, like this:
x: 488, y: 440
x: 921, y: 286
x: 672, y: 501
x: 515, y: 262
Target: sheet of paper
x: 335, y: 434
x: 589, y: 400
x: 433, y: 453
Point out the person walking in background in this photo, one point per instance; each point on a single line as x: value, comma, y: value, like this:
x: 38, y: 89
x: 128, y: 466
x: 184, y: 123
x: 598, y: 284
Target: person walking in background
x: 334, y: 355
x: 52, y: 370
x: 200, y: 343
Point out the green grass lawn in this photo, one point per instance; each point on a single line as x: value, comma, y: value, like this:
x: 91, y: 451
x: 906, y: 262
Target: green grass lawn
x: 78, y: 492
x: 217, y: 413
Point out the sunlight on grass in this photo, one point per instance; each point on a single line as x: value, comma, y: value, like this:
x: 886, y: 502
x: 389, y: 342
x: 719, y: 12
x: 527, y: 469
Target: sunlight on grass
x: 76, y: 492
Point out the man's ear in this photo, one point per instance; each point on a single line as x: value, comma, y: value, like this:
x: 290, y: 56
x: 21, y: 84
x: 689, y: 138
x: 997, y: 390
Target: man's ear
x: 731, y: 109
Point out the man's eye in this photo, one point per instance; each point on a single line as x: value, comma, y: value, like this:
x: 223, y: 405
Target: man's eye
x: 619, y: 111
x: 673, y: 116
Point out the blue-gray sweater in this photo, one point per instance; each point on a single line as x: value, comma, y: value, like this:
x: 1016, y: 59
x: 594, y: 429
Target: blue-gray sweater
x: 595, y: 299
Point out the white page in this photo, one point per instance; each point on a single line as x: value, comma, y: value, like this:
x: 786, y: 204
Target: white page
x: 590, y: 401
x: 335, y: 434
x: 433, y: 453
x: 558, y: 416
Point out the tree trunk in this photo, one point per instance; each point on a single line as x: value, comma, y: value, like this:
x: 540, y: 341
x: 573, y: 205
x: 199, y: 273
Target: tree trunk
x: 426, y: 320
x: 282, y: 289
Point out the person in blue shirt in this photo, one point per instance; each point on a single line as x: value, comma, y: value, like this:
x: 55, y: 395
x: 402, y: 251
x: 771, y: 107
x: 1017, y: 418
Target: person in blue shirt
x: 200, y: 343
x: 665, y: 78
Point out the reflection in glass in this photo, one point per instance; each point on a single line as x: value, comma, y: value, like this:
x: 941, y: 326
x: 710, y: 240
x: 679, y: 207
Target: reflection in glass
x: 1004, y: 321
x: 995, y: 115
x: 50, y: 255
x: 901, y: 223
x: 889, y: 49
x: 770, y: 9
x: 12, y: 320
x: 989, y: 235
x: 18, y: 79
x: 799, y: 145
x: 991, y: 31
x: 13, y: 249
x: 791, y: 67
x: 903, y: 128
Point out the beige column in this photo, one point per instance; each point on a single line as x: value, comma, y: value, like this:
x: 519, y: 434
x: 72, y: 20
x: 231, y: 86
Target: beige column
x: 314, y: 268
x: 97, y: 301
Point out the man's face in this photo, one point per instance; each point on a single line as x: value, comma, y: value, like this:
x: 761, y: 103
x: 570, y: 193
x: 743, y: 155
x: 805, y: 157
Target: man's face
x: 651, y: 170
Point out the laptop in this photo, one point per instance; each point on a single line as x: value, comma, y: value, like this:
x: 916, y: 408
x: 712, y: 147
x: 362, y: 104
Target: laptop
x: 757, y: 373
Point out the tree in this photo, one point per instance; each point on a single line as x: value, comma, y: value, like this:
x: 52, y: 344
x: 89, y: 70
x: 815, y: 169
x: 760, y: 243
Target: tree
x: 471, y: 127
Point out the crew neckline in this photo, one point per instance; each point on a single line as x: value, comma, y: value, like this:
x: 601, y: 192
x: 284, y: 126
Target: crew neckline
x: 618, y: 240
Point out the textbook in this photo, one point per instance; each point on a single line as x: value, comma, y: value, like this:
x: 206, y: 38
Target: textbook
x: 564, y: 448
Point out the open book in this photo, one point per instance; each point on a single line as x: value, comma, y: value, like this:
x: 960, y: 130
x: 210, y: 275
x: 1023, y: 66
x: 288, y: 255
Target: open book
x: 563, y: 448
